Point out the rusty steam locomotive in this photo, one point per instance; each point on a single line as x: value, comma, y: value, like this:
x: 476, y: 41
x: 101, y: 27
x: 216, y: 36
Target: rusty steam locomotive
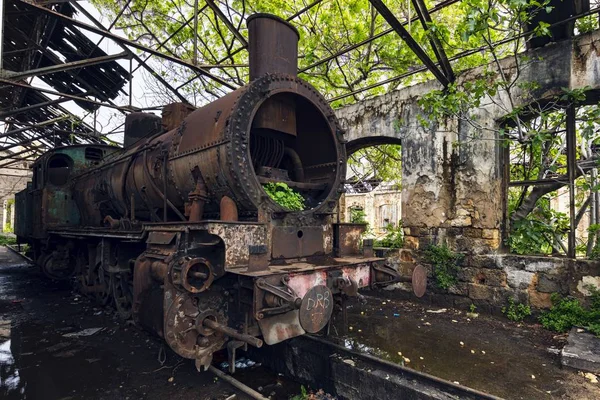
x: 176, y: 230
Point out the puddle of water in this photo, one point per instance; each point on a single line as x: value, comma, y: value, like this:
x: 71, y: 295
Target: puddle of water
x: 38, y: 364
x: 488, y: 360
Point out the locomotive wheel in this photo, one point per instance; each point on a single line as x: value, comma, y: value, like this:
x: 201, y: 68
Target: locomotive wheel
x: 58, y: 269
x: 102, y: 286
x: 122, y: 290
x: 82, y: 281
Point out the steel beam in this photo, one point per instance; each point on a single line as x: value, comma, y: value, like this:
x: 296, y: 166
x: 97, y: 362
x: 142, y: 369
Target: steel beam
x: 2, y: 6
x: 62, y: 67
x: 24, y: 142
x: 436, y: 45
x: 408, y: 39
x: 195, y: 60
x: 463, y: 54
x: 302, y: 11
x: 40, y: 125
x: 345, y: 50
x: 161, y: 44
x: 132, y: 54
x: 4, y: 114
x: 571, y: 173
x: 70, y: 96
x: 18, y: 176
x: 127, y: 42
x: 18, y: 153
x: 227, y: 23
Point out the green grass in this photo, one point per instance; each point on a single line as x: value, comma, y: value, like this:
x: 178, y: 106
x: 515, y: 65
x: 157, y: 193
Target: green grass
x: 6, y: 240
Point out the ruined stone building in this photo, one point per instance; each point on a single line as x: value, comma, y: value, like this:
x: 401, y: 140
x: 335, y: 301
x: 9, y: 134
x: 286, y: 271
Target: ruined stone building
x: 12, y: 180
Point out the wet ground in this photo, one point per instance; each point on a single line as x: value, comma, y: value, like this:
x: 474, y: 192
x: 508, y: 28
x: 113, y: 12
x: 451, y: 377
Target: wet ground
x: 55, y: 344
x: 49, y: 349
x: 496, y: 356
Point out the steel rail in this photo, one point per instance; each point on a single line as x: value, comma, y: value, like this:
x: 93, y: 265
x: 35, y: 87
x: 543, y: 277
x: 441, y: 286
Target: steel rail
x: 237, y: 384
x: 429, y: 380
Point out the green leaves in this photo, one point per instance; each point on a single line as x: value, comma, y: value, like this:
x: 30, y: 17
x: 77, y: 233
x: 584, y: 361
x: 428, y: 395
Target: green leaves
x: 285, y: 196
x: 567, y: 312
x: 393, y: 239
x: 516, y: 311
x: 445, y: 265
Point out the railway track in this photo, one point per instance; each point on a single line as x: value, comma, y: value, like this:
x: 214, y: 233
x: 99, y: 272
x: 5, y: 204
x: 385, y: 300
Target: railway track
x: 320, y: 363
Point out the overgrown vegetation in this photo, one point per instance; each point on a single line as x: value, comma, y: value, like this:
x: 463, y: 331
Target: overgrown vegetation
x: 393, y: 239
x: 285, y: 196
x: 357, y: 216
x: 445, y: 264
x: 516, y: 311
x: 10, y: 208
x: 303, y: 395
x: 567, y: 312
x: 474, y: 33
x: 6, y: 240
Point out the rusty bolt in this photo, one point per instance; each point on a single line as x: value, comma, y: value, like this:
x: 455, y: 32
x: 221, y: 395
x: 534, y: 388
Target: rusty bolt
x: 260, y: 316
x: 203, y: 342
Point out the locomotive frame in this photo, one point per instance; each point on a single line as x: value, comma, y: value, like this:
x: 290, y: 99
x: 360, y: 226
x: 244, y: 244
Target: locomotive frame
x: 176, y: 230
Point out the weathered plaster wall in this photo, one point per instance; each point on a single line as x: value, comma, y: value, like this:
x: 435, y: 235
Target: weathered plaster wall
x: 9, y: 185
x: 451, y: 182
x: 372, y: 203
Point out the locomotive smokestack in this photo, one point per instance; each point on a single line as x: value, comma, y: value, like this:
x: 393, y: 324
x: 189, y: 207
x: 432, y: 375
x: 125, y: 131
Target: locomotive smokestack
x: 273, y: 46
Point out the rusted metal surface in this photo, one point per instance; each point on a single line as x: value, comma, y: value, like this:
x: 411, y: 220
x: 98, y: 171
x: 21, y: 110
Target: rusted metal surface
x: 177, y: 231
x: 419, y: 281
x: 173, y: 114
x: 139, y: 125
x: 228, y: 210
x: 316, y: 308
x: 273, y: 46
x: 295, y: 242
x: 347, y: 237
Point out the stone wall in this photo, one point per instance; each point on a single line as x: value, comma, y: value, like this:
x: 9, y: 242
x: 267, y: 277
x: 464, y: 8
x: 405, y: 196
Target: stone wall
x: 371, y: 202
x: 489, y: 280
x: 451, y: 179
x: 11, y: 182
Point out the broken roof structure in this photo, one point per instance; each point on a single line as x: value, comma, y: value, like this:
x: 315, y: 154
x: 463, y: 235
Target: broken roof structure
x: 49, y: 59
x: 72, y: 67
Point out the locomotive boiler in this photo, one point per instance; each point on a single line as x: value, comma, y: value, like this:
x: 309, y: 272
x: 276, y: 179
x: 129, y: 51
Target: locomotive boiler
x: 176, y: 230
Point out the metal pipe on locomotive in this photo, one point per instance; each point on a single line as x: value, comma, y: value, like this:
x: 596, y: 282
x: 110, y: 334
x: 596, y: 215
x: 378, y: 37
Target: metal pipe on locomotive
x: 176, y: 228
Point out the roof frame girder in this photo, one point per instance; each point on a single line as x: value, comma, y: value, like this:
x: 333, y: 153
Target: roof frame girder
x: 62, y: 67
x: 391, y: 19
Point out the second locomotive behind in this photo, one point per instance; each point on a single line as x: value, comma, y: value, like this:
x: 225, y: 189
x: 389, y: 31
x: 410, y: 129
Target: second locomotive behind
x: 177, y: 230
